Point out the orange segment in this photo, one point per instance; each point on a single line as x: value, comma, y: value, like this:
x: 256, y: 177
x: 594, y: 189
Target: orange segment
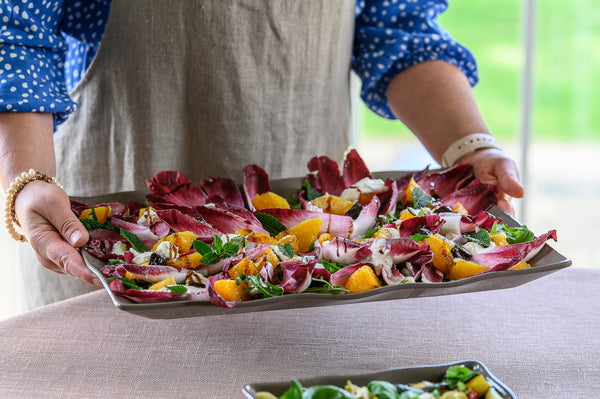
x: 363, y: 279
x: 459, y: 208
x: 442, y: 253
x: 183, y: 240
x: 229, y: 289
x: 163, y: 283
x: 270, y: 200
x: 245, y: 266
x: 499, y: 239
x: 306, y: 232
x: 521, y: 265
x: 333, y: 204
x: 464, y: 268
x: 191, y: 261
x: 408, y: 192
x: 102, y: 213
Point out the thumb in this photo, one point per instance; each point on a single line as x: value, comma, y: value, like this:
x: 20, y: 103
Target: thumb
x: 69, y: 227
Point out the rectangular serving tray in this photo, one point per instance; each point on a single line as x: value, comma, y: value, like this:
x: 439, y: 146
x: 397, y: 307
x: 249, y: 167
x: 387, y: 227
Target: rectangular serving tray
x: 403, y: 375
x: 545, y: 262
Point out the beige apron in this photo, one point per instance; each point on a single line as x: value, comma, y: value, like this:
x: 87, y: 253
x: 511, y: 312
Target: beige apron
x: 204, y: 87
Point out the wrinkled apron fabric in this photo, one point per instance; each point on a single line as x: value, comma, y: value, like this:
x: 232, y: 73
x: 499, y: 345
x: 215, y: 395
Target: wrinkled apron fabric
x: 203, y: 87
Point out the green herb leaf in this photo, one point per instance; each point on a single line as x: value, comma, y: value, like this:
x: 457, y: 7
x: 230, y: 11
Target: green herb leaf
x: 114, y: 261
x: 481, y: 237
x: 420, y: 198
x: 217, y: 244
x: 518, y: 235
x: 287, y: 250
x: 210, y: 258
x: 311, y: 193
x: 134, y: 240
x: 456, y: 375
x: 270, y: 223
x: 176, y: 288
x: 383, y: 389
x: 91, y: 224
x: 326, y: 391
x: 295, y: 391
x: 331, y: 267
x: 127, y: 283
x: 419, y: 236
x: 201, y: 247
x: 230, y: 249
x: 494, y: 229
x: 371, y: 232
x: 325, y: 287
x: 264, y: 288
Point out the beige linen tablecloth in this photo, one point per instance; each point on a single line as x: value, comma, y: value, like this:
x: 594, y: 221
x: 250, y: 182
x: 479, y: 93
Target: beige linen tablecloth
x: 541, y: 339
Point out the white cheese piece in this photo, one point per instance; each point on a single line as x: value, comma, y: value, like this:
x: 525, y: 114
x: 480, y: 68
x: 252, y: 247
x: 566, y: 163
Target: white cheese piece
x: 148, y: 218
x: 167, y: 250
x: 475, y: 248
x: 367, y: 185
x: 119, y: 248
x: 141, y: 258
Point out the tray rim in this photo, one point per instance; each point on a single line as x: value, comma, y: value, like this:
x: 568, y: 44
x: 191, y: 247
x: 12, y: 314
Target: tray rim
x: 250, y: 389
x: 426, y: 289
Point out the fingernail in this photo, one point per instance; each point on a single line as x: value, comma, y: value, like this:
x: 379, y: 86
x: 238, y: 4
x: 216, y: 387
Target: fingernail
x: 75, y: 236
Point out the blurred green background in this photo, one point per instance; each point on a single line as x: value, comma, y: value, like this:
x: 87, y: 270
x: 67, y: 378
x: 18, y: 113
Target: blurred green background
x: 566, y: 68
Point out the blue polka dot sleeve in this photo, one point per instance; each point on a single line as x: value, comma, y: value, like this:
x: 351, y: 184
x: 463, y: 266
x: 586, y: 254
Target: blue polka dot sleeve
x: 32, y: 56
x: 392, y: 35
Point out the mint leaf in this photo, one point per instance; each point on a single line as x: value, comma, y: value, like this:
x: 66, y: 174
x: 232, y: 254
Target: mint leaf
x: 114, y: 261
x: 420, y: 198
x: 481, y: 237
x: 217, y: 244
x: 494, y: 229
x: 311, y: 193
x: 287, y: 250
x: 201, y: 247
x: 230, y: 249
x: 270, y: 223
x: 134, y: 240
x: 91, y: 224
x: 295, y: 391
x: 210, y: 258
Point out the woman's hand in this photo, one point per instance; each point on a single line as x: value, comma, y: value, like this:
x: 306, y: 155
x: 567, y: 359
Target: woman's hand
x: 52, y: 229
x: 492, y: 166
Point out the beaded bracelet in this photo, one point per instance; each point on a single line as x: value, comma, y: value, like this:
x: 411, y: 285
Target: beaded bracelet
x: 467, y: 145
x: 11, y: 195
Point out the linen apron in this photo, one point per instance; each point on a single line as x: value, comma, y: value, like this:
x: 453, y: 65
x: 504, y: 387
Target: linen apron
x: 205, y: 88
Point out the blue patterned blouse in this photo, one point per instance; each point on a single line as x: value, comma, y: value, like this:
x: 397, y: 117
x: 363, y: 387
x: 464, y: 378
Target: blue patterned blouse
x: 47, y: 45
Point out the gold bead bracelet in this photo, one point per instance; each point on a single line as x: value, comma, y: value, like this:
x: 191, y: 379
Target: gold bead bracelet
x: 11, y: 195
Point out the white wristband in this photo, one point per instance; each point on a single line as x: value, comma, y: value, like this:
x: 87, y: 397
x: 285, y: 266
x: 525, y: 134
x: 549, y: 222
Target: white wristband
x: 467, y: 145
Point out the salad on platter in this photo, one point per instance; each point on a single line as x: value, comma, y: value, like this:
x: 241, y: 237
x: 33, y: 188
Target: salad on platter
x: 459, y: 382
x: 340, y: 233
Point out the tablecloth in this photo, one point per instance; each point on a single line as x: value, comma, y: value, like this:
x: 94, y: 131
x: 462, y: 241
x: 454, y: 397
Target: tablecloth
x: 541, y: 339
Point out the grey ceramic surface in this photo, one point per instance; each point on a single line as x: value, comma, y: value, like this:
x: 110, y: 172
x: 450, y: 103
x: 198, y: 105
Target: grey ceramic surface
x: 404, y: 375
x: 545, y: 262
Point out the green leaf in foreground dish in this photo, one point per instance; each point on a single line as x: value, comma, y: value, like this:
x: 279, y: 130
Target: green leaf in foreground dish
x: 127, y: 282
x: 210, y: 258
x: 326, y: 392
x: 383, y: 390
x: 91, y: 224
x: 456, y: 375
x: 331, y: 267
x: 295, y: 391
x: 135, y: 241
x: 270, y: 223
